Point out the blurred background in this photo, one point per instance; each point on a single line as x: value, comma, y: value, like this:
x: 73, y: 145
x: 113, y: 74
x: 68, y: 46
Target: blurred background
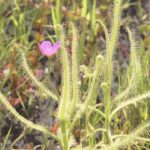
x: 28, y: 22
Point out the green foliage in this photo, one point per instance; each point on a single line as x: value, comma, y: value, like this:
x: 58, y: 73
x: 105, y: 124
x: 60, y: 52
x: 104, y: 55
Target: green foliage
x: 45, y: 92
x: 78, y: 106
x: 64, y: 108
x: 130, y: 139
x: 7, y: 137
x: 23, y: 120
x: 136, y: 71
x: 84, y: 9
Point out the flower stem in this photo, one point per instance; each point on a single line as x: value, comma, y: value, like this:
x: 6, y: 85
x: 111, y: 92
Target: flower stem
x: 64, y: 134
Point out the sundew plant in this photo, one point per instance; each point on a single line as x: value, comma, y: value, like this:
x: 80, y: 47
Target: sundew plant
x: 88, y: 113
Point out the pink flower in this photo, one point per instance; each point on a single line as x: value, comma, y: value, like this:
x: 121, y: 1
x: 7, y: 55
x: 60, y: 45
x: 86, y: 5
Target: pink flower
x: 48, y: 49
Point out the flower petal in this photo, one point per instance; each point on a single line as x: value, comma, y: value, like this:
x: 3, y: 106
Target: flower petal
x: 56, y: 47
x: 45, y: 46
x: 47, y: 49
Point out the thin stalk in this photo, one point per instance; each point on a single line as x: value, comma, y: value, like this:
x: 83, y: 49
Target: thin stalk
x: 58, y: 14
x: 109, y: 68
x: 107, y: 105
x: 64, y: 111
x: 65, y: 138
x: 91, y: 94
x: 75, y: 87
x: 16, y: 140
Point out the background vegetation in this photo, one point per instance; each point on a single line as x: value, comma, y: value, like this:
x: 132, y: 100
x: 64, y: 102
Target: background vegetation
x: 25, y: 23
